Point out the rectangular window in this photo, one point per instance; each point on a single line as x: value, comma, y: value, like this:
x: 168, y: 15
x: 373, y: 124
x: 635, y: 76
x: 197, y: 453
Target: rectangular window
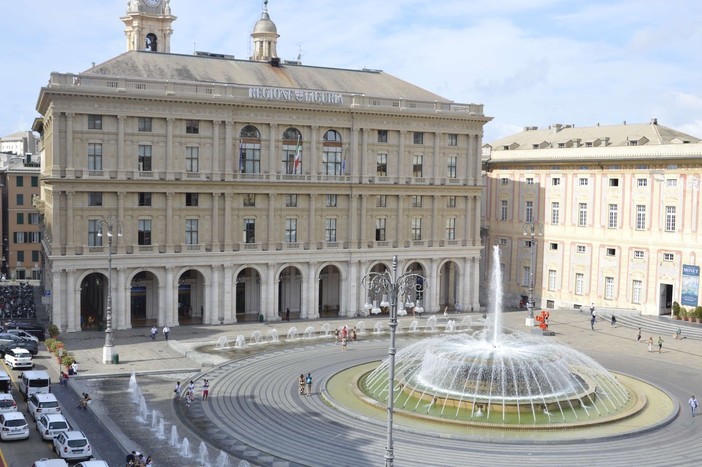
x: 144, y: 235
x: 250, y: 158
x: 93, y: 229
x: 555, y: 181
x: 19, y: 181
x: 451, y: 202
x: 381, y: 201
x: 583, y: 181
x: 34, y: 218
x: 450, y: 228
x: 580, y: 249
x: 331, y: 161
x: 95, y: 156
x: 330, y: 229
x: 668, y: 257
x: 582, y: 214
x: 553, y: 246
x: 670, y: 218
x: 145, y: 124
x: 20, y: 218
x: 291, y: 230
x: 35, y: 181
x: 381, y: 165
x: 503, y: 242
x: 192, y: 127
x: 529, y: 211
x: 613, y: 216
x: 192, y: 199
x: 609, y: 288
x: 145, y: 198
x: 526, y: 275
x: 641, y: 182
x: 418, y: 137
x: 380, y: 223
x: 19, y: 237
x: 35, y: 256
x: 331, y: 201
x: 504, y: 181
x: 555, y: 212
x: 451, y: 170
x: 640, y: 217
x: 636, y: 291
x: 417, y: 166
x: 527, y: 243
x: 249, y: 230
x: 671, y: 182
x: 416, y: 228
x: 249, y: 200
x: 145, y: 157
x: 20, y: 256
x: 94, y: 122
x: 638, y: 254
x: 503, y: 210
x: 290, y: 201
x: 611, y: 252
x: 19, y: 200
x: 551, y: 280
x: 191, y: 231
x: 613, y: 182
x: 452, y: 139
x: 192, y: 159
x: 416, y: 201
x: 530, y: 180
x: 95, y: 199
x: 382, y: 136
x: 579, y: 283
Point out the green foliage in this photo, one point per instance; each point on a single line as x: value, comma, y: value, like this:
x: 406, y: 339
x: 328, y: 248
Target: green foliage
x: 698, y: 313
x: 52, y: 344
x: 67, y: 359
x: 676, y: 309
x: 53, y: 331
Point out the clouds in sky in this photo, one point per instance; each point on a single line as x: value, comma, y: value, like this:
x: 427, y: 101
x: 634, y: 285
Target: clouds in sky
x: 530, y: 63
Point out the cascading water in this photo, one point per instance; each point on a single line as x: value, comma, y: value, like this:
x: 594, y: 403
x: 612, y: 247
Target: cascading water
x: 496, y: 299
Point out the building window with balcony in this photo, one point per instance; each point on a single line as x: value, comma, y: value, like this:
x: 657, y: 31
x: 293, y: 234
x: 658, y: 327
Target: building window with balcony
x: 330, y: 229
x: 636, y: 291
x: 292, y: 151
x: 529, y: 211
x: 503, y: 210
x: 250, y: 158
x: 191, y: 231
x: 144, y: 124
x: 381, y: 201
x: 145, y: 198
x: 668, y: 257
x: 450, y: 228
x: 382, y: 136
x: 249, y: 200
x: 670, y: 219
x: 331, y: 153
x: 416, y: 228
x: 290, y: 201
x: 451, y: 168
x: 192, y: 199
x: 249, y: 230
x: 609, y: 288
x: 583, y: 181
x: 145, y: 152
x: 418, y: 137
x: 451, y: 201
x: 417, y: 166
x: 555, y: 212
x: 192, y: 159
x: 291, y: 230
x: 452, y: 139
x: 613, y: 216
x: 192, y: 127
x: 331, y: 201
x: 641, y: 182
x: 579, y: 283
x: 144, y: 232
x: 416, y: 201
x: 640, y: 217
x: 95, y: 198
x: 380, y: 223
x: 555, y: 181
x: 94, y: 156
x: 639, y: 254
x: 94, y: 122
x: 93, y: 228
x: 582, y: 214
x: 580, y: 249
x: 381, y: 165
x: 551, y: 280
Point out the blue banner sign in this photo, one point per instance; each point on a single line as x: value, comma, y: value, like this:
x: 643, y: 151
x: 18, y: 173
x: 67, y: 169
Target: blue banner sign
x: 690, y: 285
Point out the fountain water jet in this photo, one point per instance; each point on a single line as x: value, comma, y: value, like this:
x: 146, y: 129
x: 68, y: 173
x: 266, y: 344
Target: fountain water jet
x: 255, y: 337
x: 292, y: 333
x: 174, y: 441
x: 185, y: 448
x: 326, y: 330
x: 309, y: 332
x: 222, y: 343
x: 360, y: 328
x: 240, y: 341
x: 203, y: 454
x: 222, y: 460
x: 431, y: 324
x: 161, y: 429
x: 378, y: 328
x: 272, y: 335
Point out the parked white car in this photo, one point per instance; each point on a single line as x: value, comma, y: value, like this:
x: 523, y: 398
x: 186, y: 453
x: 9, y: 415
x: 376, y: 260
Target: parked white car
x: 41, y: 403
x: 51, y: 424
x: 72, y: 444
x: 93, y: 463
x: 18, y: 358
x: 23, y: 334
x: 50, y: 463
x: 13, y: 425
x: 7, y: 403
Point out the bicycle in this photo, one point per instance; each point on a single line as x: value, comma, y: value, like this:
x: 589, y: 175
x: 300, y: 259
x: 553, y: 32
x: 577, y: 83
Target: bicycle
x: 361, y: 314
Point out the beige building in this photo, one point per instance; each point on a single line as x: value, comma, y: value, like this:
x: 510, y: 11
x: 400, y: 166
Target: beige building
x: 615, y: 211
x: 249, y: 186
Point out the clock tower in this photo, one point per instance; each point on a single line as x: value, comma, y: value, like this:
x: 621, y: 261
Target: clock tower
x: 148, y: 25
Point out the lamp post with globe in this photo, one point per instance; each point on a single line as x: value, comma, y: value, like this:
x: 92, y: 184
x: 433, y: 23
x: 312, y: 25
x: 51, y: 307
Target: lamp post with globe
x: 111, y: 226
x: 532, y: 229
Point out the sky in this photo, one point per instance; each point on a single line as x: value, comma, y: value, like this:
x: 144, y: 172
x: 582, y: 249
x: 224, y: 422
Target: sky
x: 529, y: 62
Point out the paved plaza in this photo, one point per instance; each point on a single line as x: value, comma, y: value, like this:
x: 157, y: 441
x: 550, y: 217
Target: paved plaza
x: 256, y: 414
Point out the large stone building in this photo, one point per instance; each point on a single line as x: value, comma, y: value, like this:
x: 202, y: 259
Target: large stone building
x: 254, y: 186
x: 615, y: 212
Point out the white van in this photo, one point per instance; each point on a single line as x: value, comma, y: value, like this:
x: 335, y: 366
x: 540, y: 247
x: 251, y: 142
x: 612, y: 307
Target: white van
x: 34, y: 382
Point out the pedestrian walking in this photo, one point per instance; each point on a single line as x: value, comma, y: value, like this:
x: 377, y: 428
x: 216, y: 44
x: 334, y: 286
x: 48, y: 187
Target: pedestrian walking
x: 614, y: 320
x: 205, y: 389
x: 353, y: 334
x: 301, y: 384
x: 638, y: 335
x: 343, y: 343
x: 166, y: 331
x: 446, y: 312
x: 154, y: 331
x: 660, y: 344
x: 650, y: 344
x: 178, y: 390
x: 678, y: 333
x: 592, y: 310
x: 308, y: 382
x: 693, y: 405
x: 287, y: 314
x: 592, y: 322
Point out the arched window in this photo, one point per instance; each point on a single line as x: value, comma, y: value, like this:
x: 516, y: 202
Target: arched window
x: 292, y: 151
x: 332, y: 161
x: 250, y: 150
x: 151, y: 42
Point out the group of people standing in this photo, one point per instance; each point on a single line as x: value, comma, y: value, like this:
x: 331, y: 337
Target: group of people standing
x: 154, y: 332
x: 650, y: 341
x: 344, y: 334
x: 304, y: 384
x: 190, y: 391
x: 137, y: 459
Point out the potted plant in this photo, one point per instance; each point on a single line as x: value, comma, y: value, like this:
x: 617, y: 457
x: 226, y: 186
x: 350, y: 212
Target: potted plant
x: 53, y: 331
x: 698, y: 313
x: 684, y: 314
x: 676, y: 310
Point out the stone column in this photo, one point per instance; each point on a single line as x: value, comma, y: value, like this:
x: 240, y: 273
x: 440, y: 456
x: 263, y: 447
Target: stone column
x: 311, y: 237
x: 169, y: 221
x: 468, y: 228
x: 363, y: 223
x: 169, y: 149
x: 228, y: 152
x: 399, y: 227
x: 470, y: 175
x: 212, y: 309
x: 69, y: 144
x: 121, y: 245
x: 432, y: 304
x: 401, y: 157
x: 119, y: 166
x: 435, y: 221
x: 72, y: 297
x: 227, y: 314
x: 350, y: 304
x: 313, y: 166
x: 476, y: 221
x: 475, y: 284
x: 167, y: 312
x: 272, y: 166
x: 58, y: 307
x: 271, y: 222
x: 269, y: 298
x: 216, y: 157
x: 435, y: 160
x: 69, y: 217
x: 228, y: 221
x: 216, y: 244
x: 363, y: 161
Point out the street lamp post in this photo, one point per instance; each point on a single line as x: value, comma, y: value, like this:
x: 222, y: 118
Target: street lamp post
x: 110, y: 225
x: 409, y: 286
x: 532, y: 229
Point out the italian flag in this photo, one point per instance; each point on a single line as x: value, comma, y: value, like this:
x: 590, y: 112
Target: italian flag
x: 298, y: 153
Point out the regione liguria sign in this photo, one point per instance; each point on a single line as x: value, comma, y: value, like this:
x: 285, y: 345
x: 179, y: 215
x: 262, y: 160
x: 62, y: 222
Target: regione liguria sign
x: 296, y: 95
x: 690, y: 285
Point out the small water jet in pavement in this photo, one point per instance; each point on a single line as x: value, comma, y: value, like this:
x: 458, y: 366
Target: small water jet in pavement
x: 160, y: 430
x: 309, y: 332
x: 174, y: 441
x: 222, y: 343
x: 185, y: 448
x: 378, y: 328
x: 240, y: 341
x: 203, y: 454
x: 292, y: 333
x: 255, y: 337
x: 222, y: 460
x: 272, y: 335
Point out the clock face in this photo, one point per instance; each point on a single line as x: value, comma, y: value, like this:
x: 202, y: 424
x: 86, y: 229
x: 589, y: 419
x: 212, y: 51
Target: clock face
x: 152, y: 2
